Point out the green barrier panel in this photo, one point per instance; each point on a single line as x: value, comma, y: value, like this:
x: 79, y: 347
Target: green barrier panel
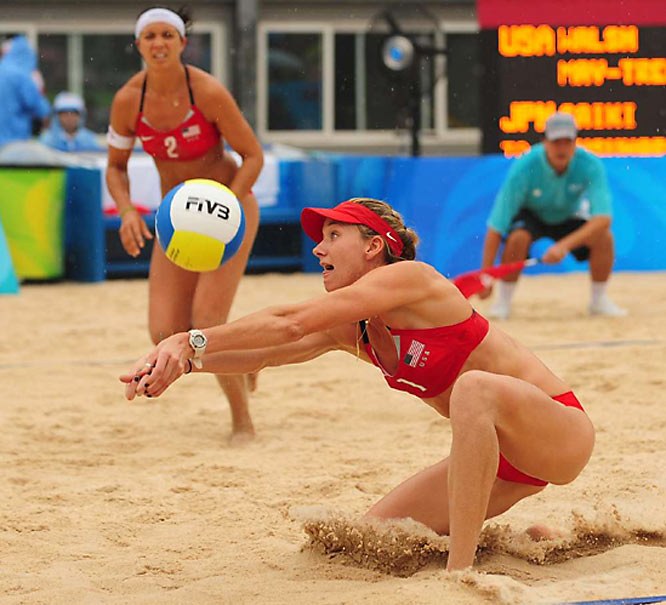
x: 32, y: 201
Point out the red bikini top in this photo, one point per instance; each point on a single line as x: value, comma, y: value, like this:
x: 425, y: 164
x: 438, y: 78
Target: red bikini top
x: 429, y: 360
x: 188, y: 141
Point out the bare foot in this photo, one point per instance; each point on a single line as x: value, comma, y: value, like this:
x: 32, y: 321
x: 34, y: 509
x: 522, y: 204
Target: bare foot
x: 538, y: 533
x: 243, y: 436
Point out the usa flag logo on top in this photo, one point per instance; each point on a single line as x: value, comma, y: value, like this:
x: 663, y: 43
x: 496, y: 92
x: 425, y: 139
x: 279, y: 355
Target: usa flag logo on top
x: 192, y: 131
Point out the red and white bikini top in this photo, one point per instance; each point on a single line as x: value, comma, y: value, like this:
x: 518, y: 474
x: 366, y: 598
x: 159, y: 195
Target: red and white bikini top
x: 188, y: 141
x: 429, y: 360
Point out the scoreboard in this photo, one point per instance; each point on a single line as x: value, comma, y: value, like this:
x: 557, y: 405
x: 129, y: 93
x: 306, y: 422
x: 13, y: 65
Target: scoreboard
x: 612, y: 78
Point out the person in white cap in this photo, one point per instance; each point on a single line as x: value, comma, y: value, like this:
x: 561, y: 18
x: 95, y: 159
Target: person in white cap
x: 67, y: 131
x: 560, y: 191
x: 182, y: 116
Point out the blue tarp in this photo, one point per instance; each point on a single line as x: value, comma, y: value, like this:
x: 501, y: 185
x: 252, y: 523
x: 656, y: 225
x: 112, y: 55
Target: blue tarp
x: 447, y: 201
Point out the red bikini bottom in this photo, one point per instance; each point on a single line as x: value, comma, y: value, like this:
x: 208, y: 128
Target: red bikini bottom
x: 510, y: 473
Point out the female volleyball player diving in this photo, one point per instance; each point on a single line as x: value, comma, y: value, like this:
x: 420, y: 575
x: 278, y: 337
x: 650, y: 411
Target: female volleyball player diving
x: 516, y: 426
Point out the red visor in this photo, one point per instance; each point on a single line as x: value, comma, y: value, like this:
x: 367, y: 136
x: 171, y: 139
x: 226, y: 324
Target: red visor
x: 312, y: 221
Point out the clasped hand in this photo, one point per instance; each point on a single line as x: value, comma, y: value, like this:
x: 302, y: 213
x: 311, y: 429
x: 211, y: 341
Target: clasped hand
x: 555, y: 254
x: 152, y: 374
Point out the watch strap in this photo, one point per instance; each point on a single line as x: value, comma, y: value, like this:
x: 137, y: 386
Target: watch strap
x: 198, y: 351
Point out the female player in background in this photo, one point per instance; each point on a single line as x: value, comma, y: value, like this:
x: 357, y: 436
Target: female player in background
x: 182, y: 115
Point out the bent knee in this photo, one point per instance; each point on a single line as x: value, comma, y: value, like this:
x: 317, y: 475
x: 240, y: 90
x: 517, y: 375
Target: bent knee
x: 519, y: 238
x: 472, y: 394
x: 604, y: 238
x: 475, y: 383
x: 520, y: 235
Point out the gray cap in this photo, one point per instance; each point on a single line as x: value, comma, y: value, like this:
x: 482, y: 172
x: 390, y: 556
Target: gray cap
x: 561, y: 126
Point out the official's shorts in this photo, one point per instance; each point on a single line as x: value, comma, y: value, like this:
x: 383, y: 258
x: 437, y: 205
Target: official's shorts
x: 525, y: 219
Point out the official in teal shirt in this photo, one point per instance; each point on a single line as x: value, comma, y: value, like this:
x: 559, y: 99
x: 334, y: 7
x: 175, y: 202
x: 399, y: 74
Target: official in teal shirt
x: 560, y: 191
x: 533, y: 184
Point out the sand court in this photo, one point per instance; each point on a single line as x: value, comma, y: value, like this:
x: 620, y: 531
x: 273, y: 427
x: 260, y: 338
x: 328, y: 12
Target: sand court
x: 105, y: 501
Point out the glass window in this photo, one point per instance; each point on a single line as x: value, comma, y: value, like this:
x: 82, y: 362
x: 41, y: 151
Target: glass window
x: 345, y: 81
x: 108, y: 62
x: 294, y: 81
x: 464, y: 79
x: 380, y: 98
x: 198, y: 51
x: 53, y: 61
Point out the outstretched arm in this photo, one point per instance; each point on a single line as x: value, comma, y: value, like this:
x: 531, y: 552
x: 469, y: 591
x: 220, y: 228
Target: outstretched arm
x: 286, y: 325
x: 407, y: 282
x: 227, y: 362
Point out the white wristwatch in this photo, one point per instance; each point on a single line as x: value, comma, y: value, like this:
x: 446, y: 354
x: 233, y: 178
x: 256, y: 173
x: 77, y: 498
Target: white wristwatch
x: 198, y: 342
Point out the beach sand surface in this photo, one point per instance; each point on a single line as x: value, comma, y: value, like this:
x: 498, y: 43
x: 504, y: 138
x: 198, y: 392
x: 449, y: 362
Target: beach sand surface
x: 106, y: 501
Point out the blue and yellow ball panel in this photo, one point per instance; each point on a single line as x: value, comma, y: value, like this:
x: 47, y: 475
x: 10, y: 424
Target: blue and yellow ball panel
x: 200, y: 224
x: 194, y: 251
x: 163, y: 225
x: 234, y: 244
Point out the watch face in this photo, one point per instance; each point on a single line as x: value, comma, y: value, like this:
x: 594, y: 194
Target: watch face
x: 198, y: 341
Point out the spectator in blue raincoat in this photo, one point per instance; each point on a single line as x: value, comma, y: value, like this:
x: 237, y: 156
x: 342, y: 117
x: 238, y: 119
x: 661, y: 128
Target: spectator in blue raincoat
x: 67, y: 131
x: 21, y: 100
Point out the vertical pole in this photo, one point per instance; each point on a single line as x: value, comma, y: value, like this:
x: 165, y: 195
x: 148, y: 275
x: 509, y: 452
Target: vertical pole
x: 244, y: 58
x: 415, y: 108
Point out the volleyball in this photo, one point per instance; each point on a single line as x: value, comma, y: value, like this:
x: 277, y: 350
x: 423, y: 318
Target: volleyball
x: 200, y: 224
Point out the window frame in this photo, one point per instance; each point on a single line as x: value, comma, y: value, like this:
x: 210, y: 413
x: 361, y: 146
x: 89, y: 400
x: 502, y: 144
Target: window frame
x: 439, y: 134
x: 79, y: 28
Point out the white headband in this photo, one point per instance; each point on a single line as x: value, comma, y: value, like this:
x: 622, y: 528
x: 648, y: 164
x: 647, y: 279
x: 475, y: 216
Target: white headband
x: 159, y: 15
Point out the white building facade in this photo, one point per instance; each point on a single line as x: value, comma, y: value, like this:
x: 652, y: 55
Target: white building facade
x: 308, y: 74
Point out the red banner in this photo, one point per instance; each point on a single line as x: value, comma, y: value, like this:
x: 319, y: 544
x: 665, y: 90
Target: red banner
x: 493, y: 13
